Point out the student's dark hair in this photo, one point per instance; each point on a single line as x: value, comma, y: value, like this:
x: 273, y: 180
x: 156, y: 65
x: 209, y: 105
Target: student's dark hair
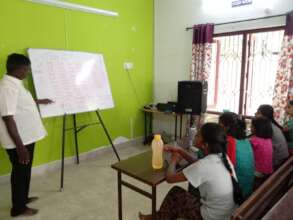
x: 262, y: 127
x: 235, y: 125
x: 214, y: 135
x: 290, y: 102
x: 268, y: 112
x: 14, y: 61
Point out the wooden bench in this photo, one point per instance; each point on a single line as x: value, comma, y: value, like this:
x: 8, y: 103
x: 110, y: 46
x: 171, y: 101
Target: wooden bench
x: 283, y: 209
x: 267, y: 195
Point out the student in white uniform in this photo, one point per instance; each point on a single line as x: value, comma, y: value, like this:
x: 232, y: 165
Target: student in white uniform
x: 213, y: 175
x: 20, y: 128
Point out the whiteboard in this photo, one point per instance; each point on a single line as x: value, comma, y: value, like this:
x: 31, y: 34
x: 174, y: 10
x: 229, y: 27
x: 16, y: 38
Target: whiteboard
x: 76, y: 81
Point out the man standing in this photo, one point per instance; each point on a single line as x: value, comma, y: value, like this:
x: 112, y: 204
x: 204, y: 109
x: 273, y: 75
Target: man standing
x: 20, y: 128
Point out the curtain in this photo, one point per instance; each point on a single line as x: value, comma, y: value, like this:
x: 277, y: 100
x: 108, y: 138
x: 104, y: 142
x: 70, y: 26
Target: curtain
x: 201, y: 51
x: 283, y: 91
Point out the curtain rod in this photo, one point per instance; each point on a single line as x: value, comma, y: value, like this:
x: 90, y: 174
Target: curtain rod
x: 252, y: 19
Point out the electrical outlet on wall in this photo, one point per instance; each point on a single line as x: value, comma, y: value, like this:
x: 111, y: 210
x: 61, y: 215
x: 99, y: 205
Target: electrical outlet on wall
x: 128, y: 65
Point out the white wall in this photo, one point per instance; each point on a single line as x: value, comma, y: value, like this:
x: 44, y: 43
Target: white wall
x: 173, y: 43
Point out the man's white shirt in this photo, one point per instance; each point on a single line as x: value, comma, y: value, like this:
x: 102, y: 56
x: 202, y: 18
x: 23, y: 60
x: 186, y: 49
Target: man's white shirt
x: 18, y: 102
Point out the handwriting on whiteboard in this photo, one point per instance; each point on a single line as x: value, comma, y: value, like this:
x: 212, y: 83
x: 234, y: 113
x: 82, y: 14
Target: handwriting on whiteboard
x: 76, y: 81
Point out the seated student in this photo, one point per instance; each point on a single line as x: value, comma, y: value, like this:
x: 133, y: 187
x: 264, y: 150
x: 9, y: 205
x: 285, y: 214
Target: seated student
x: 261, y: 141
x: 242, y: 150
x: 231, y: 142
x: 280, y: 147
x: 289, y: 126
x: 213, y: 175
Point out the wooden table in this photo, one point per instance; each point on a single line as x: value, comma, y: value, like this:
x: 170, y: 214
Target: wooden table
x: 140, y: 168
x: 148, y: 122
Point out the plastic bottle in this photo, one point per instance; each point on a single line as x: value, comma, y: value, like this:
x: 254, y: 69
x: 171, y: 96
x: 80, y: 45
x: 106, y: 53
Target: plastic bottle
x: 157, y: 148
x: 192, y: 133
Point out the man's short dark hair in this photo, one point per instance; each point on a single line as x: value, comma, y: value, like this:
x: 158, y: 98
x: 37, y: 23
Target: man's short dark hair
x: 14, y: 61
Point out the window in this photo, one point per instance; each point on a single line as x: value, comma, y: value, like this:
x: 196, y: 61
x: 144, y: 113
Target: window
x: 243, y: 70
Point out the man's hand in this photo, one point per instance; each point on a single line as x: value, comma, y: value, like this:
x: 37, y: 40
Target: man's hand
x: 23, y: 155
x: 44, y: 101
x: 22, y: 152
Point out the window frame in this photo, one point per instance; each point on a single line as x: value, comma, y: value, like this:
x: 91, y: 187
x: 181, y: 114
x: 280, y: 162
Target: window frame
x: 244, y: 73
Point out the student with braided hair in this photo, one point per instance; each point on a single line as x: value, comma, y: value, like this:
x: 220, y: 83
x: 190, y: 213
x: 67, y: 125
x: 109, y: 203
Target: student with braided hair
x: 261, y: 141
x: 213, y: 175
x: 240, y: 149
x: 280, y: 147
x: 228, y: 120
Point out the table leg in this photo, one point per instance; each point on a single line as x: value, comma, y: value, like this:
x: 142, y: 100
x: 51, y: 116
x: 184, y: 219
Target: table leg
x: 181, y: 126
x: 145, y: 128
x: 154, y: 200
x: 119, y: 196
x: 175, y: 127
x: 151, y: 123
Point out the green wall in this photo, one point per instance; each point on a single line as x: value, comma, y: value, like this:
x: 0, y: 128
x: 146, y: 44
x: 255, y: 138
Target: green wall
x: 128, y: 37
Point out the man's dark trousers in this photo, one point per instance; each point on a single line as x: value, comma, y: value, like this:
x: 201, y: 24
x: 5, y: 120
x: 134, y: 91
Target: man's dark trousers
x: 20, y: 179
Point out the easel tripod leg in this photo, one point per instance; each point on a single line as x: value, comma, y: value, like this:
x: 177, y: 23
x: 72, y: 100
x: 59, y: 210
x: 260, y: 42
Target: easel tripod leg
x: 75, y: 139
x: 107, y: 134
x: 62, y: 154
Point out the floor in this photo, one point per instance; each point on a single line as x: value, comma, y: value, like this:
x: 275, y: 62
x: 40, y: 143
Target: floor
x: 90, y: 192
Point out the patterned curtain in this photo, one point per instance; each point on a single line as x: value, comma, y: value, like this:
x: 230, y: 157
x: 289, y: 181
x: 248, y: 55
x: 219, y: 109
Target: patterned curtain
x: 283, y: 90
x: 201, y: 51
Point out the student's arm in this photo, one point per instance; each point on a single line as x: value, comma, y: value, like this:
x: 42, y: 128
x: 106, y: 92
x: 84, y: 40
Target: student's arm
x: 172, y: 176
x: 22, y: 151
x: 183, y: 153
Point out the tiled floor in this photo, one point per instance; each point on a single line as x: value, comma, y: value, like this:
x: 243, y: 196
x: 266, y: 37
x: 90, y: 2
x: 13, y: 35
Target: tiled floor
x: 90, y: 192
